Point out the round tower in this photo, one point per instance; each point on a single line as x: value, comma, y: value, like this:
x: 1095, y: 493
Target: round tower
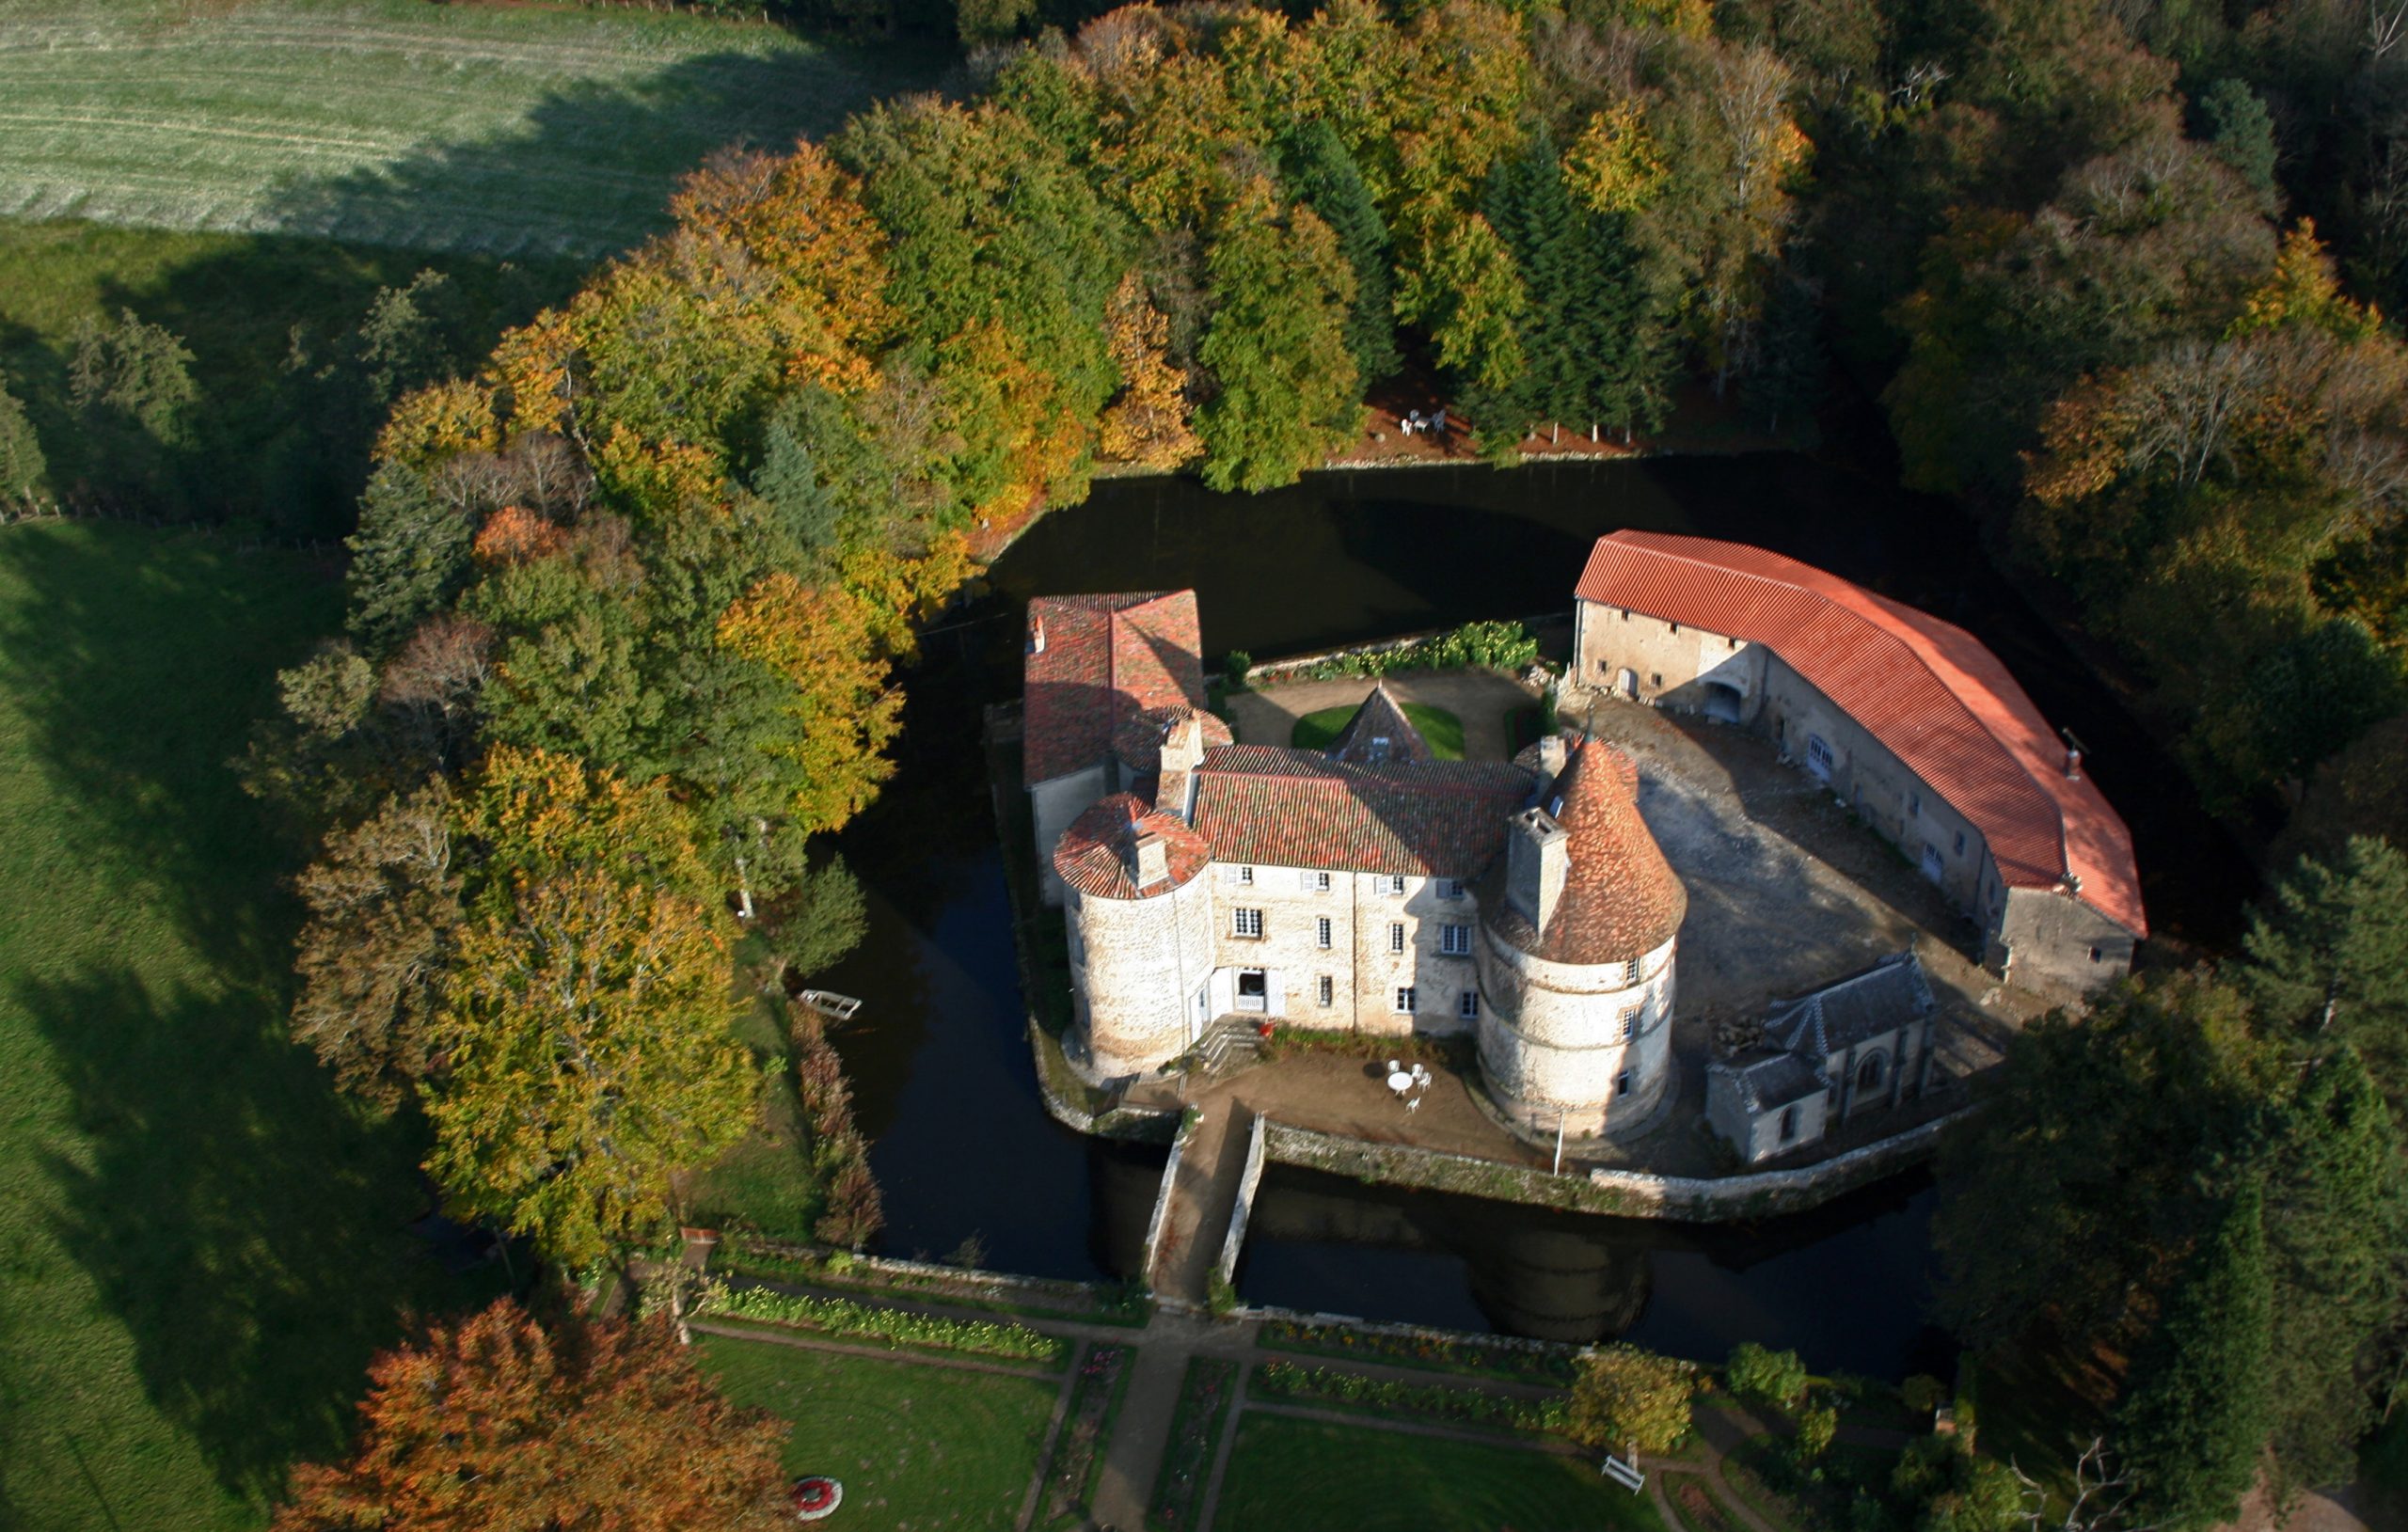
x: 1577, y: 932
x: 1140, y: 916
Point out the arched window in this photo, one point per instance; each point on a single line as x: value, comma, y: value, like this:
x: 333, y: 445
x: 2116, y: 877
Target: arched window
x: 1875, y: 1070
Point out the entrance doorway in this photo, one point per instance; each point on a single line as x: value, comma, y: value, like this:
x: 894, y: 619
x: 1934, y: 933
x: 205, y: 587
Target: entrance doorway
x: 1626, y: 683
x: 1933, y: 867
x: 1819, y: 757
x: 1723, y: 702
x: 1254, y: 989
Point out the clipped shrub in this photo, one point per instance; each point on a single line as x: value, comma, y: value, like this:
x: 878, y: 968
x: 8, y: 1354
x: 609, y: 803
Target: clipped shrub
x: 1924, y: 1393
x: 1626, y: 1397
x: 1768, y: 1377
x: 1817, y: 1425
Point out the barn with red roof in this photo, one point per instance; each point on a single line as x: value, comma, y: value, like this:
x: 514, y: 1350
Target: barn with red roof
x: 1909, y: 719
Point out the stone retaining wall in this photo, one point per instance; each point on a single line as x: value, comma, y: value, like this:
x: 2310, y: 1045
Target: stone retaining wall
x: 1628, y: 1194
x: 1248, y: 1180
x: 1162, y: 1198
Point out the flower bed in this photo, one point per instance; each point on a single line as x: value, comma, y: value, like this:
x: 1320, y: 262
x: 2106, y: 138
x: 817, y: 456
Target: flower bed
x: 1440, y: 1401
x: 841, y: 1317
x: 1078, y: 1456
x: 995, y: 1295
x: 1195, y: 1432
x: 1437, y: 1352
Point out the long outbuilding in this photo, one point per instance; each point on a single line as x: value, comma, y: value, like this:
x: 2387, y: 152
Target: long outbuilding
x: 1909, y: 719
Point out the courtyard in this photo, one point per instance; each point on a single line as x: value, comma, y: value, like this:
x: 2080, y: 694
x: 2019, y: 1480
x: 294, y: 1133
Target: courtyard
x: 1786, y: 891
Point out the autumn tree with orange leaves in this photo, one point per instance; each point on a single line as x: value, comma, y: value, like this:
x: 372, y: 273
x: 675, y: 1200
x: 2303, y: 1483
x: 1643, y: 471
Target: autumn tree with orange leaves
x: 499, y: 1424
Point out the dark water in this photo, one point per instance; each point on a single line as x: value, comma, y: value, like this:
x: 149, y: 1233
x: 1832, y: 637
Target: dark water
x: 942, y: 1078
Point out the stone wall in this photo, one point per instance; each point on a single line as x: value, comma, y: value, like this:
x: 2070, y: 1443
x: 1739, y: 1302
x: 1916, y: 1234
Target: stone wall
x: 1162, y: 1197
x: 1137, y: 965
x: 1627, y: 1193
x: 1248, y: 1180
x: 1552, y: 1042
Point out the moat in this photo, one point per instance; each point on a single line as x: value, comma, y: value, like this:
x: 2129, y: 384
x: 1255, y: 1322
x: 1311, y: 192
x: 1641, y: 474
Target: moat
x: 941, y: 1072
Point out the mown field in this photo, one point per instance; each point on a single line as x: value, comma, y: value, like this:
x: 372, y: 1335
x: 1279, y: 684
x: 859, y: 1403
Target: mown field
x: 201, y: 1245
x: 522, y: 130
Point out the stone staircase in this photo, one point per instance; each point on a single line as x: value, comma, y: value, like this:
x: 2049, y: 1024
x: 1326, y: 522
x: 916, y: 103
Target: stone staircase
x: 1230, y: 1043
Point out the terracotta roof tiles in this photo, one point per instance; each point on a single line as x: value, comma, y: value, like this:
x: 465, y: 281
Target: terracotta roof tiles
x: 1378, y: 732
x: 1929, y: 691
x: 1621, y: 899
x: 1096, y: 661
x: 1096, y: 854
x: 1290, y: 808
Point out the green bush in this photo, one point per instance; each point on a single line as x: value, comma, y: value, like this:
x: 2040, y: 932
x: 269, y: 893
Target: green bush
x: 1924, y: 1393
x: 1776, y: 1378
x: 1498, y: 646
x: 841, y: 1317
x: 1817, y: 1425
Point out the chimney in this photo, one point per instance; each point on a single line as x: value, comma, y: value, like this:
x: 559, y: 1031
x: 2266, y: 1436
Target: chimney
x: 1551, y: 757
x: 1036, y: 633
x: 2073, y: 764
x: 1150, y: 856
x: 1183, y: 756
x: 1537, y: 856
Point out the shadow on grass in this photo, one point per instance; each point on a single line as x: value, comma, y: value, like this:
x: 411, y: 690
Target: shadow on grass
x: 247, y: 1228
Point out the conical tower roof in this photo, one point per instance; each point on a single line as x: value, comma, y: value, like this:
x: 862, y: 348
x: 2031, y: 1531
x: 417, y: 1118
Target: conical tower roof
x: 1621, y: 899
x: 1379, y: 732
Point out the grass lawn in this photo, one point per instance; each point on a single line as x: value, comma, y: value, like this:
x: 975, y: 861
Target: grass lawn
x: 1442, y: 729
x: 1303, y: 1473
x: 201, y: 1245
x: 517, y: 129
x: 916, y: 1446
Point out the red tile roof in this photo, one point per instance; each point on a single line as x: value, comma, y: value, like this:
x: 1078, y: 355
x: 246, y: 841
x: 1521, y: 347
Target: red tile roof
x: 1621, y: 900
x: 1104, y: 659
x: 1926, y: 689
x: 1095, y: 854
x: 1289, y: 808
x: 1138, y: 741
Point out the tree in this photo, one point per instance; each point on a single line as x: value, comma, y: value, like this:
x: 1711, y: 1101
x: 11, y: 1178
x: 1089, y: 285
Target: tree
x: 819, y: 919
x: 585, y: 1032
x: 1775, y: 1378
x: 1625, y: 1397
x: 1817, y: 1426
x: 2093, y: 1151
x: 788, y: 479
x: 23, y: 468
x: 2196, y: 1415
x: 2329, y: 957
x: 498, y: 1422
x: 1325, y: 178
x: 409, y: 558
x: 1285, y: 386
x: 2241, y: 131
x: 2336, y: 1214
x: 1147, y: 422
x: 132, y: 376
x: 384, y: 904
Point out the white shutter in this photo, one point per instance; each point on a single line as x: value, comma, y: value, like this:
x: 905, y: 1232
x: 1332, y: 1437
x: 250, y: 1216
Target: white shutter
x: 1275, y: 992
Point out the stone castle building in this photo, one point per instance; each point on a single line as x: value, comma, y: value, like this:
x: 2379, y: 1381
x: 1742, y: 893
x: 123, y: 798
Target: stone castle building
x: 1909, y: 719
x: 1366, y: 888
